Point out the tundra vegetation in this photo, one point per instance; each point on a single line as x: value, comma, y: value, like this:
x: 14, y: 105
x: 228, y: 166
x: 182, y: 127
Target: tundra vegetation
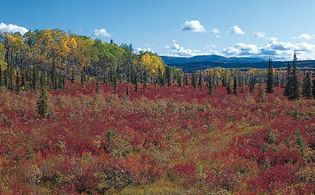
x: 82, y: 116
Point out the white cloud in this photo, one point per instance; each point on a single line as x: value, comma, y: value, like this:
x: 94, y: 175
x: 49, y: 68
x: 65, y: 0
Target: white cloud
x: 241, y: 49
x: 259, y: 35
x: 194, y: 26
x: 305, y: 36
x: 237, y: 30
x: 279, y: 50
x: 215, y: 31
x: 178, y: 50
x: 139, y: 49
x: 272, y: 39
x: 102, y: 32
x: 12, y: 28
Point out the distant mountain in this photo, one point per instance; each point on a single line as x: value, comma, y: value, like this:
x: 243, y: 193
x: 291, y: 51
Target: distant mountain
x: 211, y: 61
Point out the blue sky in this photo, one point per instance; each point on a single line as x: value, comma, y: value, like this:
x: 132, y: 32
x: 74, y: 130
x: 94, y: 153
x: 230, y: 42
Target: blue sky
x: 178, y: 27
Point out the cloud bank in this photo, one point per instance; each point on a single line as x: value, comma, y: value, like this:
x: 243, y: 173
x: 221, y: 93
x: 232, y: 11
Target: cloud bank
x: 194, y: 26
x: 102, y: 32
x: 12, y: 28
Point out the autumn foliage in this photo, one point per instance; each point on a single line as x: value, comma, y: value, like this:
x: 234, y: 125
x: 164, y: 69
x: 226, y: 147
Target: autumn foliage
x: 168, y: 140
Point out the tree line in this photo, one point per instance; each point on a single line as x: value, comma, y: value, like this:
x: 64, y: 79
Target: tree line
x: 46, y: 59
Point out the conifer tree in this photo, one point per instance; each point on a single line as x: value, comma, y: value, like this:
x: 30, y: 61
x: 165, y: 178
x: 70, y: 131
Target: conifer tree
x: 127, y: 90
x: 145, y: 80
x: 307, y: 86
x: 10, y: 78
x: 186, y: 80
x: 72, y: 76
x: 228, y: 86
x: 277, y: 79
x: 168, y: 76
x: 261, y: 94
x: 294, y: 83
x: 287, y: 90
x: 42, y: 100
x: 115, y: 81
x: 269, y: 83
x: 17, y: 81
x: 200, y: 81
x: 313, y: 88
x: 210, y: 86
x: 252, y: 83
x: 135, y: 80
x: 235, y: 86
x: 82, y: 78
x: 194, y: 80
x: 97, y: 88
x: 1, y: 80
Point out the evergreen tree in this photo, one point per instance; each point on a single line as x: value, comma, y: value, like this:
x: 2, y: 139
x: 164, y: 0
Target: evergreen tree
x: 200, y: 81
x: 115, y: 82
x: 277, y: 79
x: 97, y: 88
x: 1, y: 80
x: 228, y: 86
x: 234, y: 86
x: 269, y: 83
x: 135, y: 80
x: 82, y: 78
x: 313, y: 88
x: 194, y: 80
x: 17, y: 81
x: 307, y: 86
x: 127, y: 90
x: 261, y: 94
x: 210, y: 86
x: 42, y: 100
x: 145, y: 80
x: 10, y: 78
x: 179, y: 80
x: 186, y: 80
x: 294, y: 83
x: 72, y: 76
x: 252, y: 83
x: 168, y: 76
x: 287, y: 89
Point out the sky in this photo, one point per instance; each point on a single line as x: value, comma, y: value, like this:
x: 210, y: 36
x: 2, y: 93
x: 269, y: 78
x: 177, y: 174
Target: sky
x: 231, y: 28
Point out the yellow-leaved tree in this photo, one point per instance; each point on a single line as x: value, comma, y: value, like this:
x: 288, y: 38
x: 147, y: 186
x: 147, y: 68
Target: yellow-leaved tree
x: 152, y: 63
x: 3, y: 64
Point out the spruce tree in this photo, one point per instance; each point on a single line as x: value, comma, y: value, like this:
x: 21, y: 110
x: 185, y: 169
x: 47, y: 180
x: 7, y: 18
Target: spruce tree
x: 115, y: 81
x: 1, y: 82
x: 307, y: 86
x: 261, y: 94
x: 210, y: 86
x: 127, y: 90
x: 82, y: 78
x: 168, y: 76
x: 72, y: 76
x: 194, y: 80
x: 313, y: 88
x: 42, y: 100
x: 235, y: 86
x: 287, y: 89
x: 186, y: 80
x: 97, y: 88
x: 135, y: 81
x: 200, y: 81
x: 294, y: 83
x: 252, y: 83
x: 228, y: 86
x: 145, y: 80
x: 269, y: 83
x: 17, y: 81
